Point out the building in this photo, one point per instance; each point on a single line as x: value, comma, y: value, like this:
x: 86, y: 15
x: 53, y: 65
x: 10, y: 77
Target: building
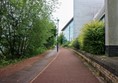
x: 111, y: 27
x: 85, y: 11
x: 100, y: 15
x: 68, y: 30
x: 109, y: 14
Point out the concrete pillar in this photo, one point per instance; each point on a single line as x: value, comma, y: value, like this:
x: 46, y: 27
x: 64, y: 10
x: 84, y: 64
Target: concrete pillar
x: 111, y: 29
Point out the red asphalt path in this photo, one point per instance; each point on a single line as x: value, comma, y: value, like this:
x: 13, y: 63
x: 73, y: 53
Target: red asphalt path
x: 66, y: 68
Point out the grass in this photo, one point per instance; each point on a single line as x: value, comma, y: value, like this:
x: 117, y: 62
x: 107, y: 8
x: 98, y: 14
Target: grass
x: 5, y: 62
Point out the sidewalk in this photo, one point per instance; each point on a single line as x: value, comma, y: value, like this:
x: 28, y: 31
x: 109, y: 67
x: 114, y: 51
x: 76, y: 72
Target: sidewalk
x: 26, y: 70
x: 66, y: 68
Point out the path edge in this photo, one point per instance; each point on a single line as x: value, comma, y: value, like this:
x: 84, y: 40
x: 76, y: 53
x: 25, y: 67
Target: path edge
x: 104, y: 75
x: 84, y: 59
x: 31, y: 81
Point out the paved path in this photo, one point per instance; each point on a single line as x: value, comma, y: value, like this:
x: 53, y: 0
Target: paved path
x: 66, y: 68
x: 30, y: 71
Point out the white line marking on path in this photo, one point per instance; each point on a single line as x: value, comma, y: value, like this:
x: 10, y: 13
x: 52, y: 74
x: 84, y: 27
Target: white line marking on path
x: 44, y: 68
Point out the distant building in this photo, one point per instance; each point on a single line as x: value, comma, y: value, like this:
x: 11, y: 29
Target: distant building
x: 68, y: 30
x: 85, y: 11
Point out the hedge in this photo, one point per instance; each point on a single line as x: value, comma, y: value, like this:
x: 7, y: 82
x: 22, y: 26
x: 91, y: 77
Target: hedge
x: 75, y: 44
x: 92, y: 38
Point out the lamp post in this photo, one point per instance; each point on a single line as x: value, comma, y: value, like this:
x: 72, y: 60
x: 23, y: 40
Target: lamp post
x: 57, y: 34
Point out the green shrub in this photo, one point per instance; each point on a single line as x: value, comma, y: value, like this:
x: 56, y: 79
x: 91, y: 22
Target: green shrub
x: 75, y: 44
x: 66, y: 44
x: 92, y: 37
x: 61, y: 39
x: 40, y: 50
x: 5, y: 62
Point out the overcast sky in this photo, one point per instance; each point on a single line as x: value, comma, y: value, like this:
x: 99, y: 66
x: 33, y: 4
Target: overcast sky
x: 64, y: 13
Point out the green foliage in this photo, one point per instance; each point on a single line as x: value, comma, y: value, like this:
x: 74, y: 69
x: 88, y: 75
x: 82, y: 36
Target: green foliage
x: 75, y: 44
x: 92, y: 37
x: 66, y: 44
x: 61, y: 39
x: 39, y: 50
x: 5, y: 62
x: 50, y: 42
x: 25, y: 28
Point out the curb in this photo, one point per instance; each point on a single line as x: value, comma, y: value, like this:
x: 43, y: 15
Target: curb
x: 102, y: 72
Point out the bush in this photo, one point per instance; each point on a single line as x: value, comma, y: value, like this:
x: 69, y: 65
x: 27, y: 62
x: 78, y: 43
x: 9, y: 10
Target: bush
x: 61, y: 39
x: 66, y: 44
x: 5, y: 62
x: 92, y: 37
x: 75, y: 44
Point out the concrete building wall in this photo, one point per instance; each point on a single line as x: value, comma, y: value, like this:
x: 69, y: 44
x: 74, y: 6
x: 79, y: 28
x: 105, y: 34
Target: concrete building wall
x: 100, y: 15
x: 68, y: 31
x: 84, y: 11
x: 111, y: 28
x: 71, y: 31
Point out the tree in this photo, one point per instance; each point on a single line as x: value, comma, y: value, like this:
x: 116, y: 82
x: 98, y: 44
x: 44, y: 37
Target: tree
x: 61, y: 39
x: 25, y: 26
